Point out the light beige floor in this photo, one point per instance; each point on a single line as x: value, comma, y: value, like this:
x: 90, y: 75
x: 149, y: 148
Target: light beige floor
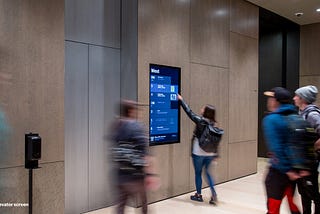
x: 242, y: 196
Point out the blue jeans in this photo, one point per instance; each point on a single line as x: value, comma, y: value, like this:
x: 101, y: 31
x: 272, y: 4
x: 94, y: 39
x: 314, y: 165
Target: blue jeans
x: 199, y: 162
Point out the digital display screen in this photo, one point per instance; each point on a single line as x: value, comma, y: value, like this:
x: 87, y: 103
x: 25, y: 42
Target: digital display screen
x: 164, y: 124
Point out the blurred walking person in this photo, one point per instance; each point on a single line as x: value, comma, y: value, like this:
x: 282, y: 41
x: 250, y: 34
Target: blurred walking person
x: 280, y: 179
x: 129, y: 154
x: 4, y: 127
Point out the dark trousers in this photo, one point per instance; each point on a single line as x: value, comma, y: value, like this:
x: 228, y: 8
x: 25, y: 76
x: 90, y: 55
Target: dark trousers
x: 278, y: 186
x: 132, y: 189
x: 309, y: 191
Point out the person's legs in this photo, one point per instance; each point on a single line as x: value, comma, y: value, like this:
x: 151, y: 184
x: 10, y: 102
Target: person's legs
x: 306, y: 204
x: 198, y: 164
x: 315, y: 190
x: 273, y: 206
x: 305, y: 200
x: 132, y: 188
x: 275, y: 183
x: 210, y: 180
x: 143, y: 195
x: 317, y: 199
x: 123, y: 196
x: 289, y: 192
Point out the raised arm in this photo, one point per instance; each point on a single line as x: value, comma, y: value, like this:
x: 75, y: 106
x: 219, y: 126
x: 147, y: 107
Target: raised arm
x: 194, y: 117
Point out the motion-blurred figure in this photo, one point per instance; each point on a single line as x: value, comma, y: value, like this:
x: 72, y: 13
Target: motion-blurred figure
x: 129, y: 154
x: 4, y: 127
x: 280, y: 179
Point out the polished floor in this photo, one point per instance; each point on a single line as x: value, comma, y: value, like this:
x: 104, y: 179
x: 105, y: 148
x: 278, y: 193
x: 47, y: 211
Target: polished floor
x: 242, y: 196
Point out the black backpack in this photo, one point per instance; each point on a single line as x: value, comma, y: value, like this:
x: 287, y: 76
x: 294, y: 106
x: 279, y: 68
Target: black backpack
x: 301, y: 139
x: 313, y: 109
x: 210, y: 138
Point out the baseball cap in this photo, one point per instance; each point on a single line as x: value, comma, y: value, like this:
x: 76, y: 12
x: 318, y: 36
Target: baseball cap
x: 282, y: 95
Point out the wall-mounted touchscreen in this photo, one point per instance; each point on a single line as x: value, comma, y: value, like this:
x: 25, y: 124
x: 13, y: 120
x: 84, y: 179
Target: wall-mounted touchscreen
x: 164, y: 124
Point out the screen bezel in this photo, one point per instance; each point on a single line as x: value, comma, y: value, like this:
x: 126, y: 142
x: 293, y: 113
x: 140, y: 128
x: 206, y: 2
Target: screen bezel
x: 178, y: 69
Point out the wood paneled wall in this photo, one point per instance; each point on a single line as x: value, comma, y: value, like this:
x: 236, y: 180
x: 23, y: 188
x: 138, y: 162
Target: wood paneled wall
x: 163, y: 38
x: 310, y: 55
x: 32, y: 98
x: 215, y: 42
x: 243, y: 90
x: 92, y: 91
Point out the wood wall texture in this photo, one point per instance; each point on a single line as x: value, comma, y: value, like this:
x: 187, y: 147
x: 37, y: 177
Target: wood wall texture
x: 32, y: 98
x: 310, y: 55
x: 215, y: 42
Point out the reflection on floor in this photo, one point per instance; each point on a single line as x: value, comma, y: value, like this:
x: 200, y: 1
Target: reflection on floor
x: 242, y: 196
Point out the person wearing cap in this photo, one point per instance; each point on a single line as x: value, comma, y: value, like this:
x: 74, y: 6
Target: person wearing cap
x: 280, y: 179
x: 308, y: 186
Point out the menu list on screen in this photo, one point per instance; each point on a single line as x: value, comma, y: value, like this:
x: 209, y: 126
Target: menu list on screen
x: 164, y: 107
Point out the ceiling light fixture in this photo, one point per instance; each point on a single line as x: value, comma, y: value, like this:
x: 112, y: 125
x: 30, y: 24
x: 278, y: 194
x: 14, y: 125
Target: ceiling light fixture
x: 318, y: 10
x: 298, y: 14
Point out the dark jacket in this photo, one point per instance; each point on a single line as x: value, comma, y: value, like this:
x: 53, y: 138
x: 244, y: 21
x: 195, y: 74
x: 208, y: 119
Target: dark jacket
x: 276, y: 133
x: 134, y: 132
x: 200, y: 121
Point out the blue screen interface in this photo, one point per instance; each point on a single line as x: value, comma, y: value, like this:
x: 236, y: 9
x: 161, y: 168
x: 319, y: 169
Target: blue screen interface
x: 164, y: 107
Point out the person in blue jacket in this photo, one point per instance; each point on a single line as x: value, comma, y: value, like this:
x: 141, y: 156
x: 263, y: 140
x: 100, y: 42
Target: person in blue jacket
x: 280, y: 179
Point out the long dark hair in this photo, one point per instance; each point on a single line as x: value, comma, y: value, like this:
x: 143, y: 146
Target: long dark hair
x: 209, y: 112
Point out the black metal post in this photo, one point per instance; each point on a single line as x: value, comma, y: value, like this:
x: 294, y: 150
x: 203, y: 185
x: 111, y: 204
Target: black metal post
x: 32, y: 155
x: 30, y: 191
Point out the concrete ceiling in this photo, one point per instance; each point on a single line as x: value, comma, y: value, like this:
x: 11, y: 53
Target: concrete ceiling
x: 288, y: 8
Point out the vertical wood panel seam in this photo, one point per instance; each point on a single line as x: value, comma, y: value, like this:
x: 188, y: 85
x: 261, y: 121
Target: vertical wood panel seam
x: 88, y: 126
x: 189, y: 85
x: 137, y: 46
x: 121, y: 37
x: 228, y: 123
x: 228, y: 101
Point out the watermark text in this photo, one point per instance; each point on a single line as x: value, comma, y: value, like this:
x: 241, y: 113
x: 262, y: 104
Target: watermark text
x: 9, y: 204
